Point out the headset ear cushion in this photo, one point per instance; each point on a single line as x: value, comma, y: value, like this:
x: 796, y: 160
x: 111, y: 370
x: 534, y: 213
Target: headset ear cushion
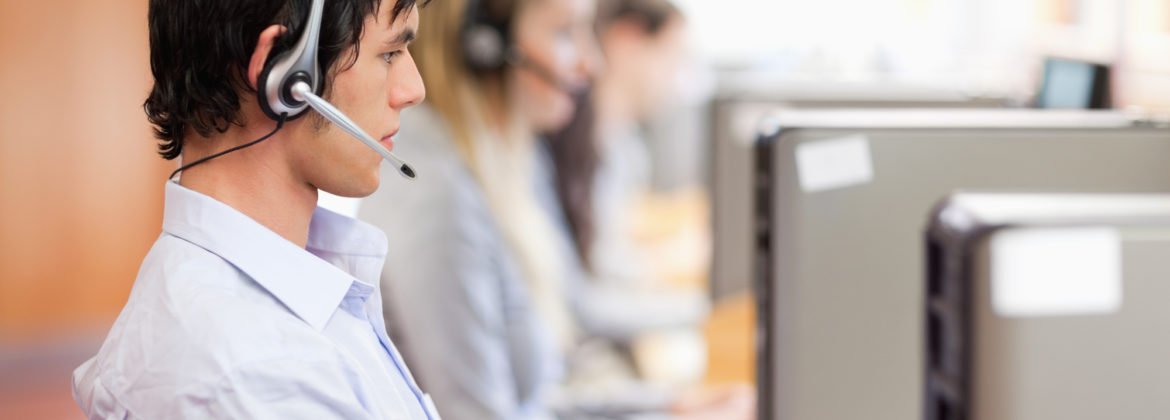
x: 484, y: 48
x: 262, y: 88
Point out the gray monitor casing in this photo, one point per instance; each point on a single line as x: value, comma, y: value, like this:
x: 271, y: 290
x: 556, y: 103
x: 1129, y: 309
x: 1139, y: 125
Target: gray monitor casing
x: 839, y: 273
x: 982, y: 364
x: 734, y: 118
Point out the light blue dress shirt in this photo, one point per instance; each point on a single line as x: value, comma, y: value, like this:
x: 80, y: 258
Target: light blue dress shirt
x: 228, y: 320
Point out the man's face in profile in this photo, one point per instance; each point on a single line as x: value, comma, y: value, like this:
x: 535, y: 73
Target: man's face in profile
x: 382, y: 81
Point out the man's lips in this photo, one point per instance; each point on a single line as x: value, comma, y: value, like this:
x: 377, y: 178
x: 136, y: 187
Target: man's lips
x: 388, y: 140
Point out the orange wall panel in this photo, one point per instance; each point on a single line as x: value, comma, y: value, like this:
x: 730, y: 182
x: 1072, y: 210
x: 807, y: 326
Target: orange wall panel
x: 80, y: 185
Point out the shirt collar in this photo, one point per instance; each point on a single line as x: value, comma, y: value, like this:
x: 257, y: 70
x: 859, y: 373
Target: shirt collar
x: 301, y: 278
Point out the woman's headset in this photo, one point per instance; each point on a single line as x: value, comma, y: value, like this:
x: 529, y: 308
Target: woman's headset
x: 487, y: 38
x: 489, y: 45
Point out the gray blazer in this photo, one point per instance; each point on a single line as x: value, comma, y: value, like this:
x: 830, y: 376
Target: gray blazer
x: 455, y: 300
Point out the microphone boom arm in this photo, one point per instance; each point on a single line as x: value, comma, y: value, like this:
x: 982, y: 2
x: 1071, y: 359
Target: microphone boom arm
x: 302, y: 92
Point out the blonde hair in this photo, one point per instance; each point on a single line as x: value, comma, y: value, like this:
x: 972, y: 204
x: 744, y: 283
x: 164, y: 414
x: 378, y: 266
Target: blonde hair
x: 500, y: 154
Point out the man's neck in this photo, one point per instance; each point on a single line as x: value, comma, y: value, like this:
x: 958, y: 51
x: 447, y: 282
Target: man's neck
x: 255, y: 181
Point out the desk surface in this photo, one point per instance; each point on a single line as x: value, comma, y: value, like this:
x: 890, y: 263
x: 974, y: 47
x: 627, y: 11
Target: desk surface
x: 673, y: 231
x: 730, y: 341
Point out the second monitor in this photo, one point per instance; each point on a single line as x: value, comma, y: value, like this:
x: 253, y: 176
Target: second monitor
x: 841, y: 200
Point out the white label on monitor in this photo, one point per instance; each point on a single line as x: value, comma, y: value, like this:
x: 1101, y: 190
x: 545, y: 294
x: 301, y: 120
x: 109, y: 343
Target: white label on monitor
x: 1056, y: 271
x: 831, y: 164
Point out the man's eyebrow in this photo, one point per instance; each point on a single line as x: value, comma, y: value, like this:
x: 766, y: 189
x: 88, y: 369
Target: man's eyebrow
x: 405, y: 37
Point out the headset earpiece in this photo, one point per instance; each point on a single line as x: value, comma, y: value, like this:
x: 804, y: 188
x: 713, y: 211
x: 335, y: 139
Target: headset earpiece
x: 274, y: 86
x: 488, y: 47
x: 261, y: 88
x: 487, y: 41
x: 484, y: 48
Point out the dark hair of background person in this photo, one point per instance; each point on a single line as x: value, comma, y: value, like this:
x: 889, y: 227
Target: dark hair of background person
x: 574, y: 149
x: 200, y: 50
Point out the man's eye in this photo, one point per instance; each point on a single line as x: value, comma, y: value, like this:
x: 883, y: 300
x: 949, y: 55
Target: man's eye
x: 389, y: 56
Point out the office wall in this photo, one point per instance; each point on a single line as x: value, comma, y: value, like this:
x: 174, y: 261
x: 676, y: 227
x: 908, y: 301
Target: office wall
x: 989, y: 47
x: 1145, y: 74
x: 80, y: 186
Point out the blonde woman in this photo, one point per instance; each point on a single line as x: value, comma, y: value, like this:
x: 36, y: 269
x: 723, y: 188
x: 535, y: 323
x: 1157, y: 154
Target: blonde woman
x: 478, y: 285
x: 472, y: 286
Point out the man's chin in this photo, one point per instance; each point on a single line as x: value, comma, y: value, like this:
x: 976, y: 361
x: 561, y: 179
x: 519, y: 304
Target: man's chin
x: 356, y: 187
x: 367, y: 189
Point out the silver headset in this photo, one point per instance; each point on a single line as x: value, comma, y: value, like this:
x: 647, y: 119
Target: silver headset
x: 291, y: 83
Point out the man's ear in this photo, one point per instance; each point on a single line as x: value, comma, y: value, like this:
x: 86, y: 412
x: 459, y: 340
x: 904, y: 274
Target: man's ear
x: 264, y: 47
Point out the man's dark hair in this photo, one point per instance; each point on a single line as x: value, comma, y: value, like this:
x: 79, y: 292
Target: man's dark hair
x: 200, y: 50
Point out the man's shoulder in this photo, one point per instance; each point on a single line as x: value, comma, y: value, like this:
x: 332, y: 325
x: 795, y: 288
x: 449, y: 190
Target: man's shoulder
x: 175, y: 262
x: 193, y: 318
x: 195, y: 287
x: 194, y: 379
x: 182, y: 285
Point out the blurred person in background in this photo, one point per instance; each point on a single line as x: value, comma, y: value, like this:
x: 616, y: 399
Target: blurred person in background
x: 254, y: 303
x: 479, y: 282
x: 474, y: 290
x: 602, y: 169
